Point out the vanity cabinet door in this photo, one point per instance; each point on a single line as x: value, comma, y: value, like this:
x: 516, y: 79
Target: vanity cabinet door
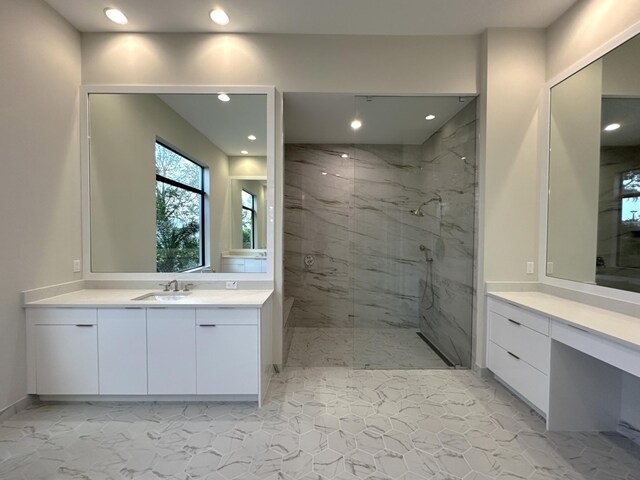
x: 171, y: 346
x: 122, y: 351
x: 66, y: 359
x: 227, y: 355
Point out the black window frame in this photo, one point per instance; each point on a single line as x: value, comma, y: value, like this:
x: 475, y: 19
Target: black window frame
x: 201, y: 192
x: 253, y: 217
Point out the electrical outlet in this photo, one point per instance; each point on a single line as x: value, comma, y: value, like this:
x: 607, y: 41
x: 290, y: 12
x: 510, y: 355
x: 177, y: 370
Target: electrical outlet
x: 549, y: 267
x: 77, y: 266
x: 530, y: 268
x: 232, y: 285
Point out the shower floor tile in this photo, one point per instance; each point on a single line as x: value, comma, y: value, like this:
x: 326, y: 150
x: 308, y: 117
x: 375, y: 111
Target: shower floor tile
x: 361, y: 348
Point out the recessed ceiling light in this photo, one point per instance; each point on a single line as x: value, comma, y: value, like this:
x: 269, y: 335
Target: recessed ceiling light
x: 356, y: 124
x: 219, y: 16
x: 244, y: 152
x: 429, y: 117
x: 116, y: 16
x: 612, y: 127
x: 251, y: 137
x: 223, y: 97
x: 324, y: 173
x: 344, y: 155
x: 337, y: 174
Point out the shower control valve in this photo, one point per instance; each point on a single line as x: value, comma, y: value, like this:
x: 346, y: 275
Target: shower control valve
x: 309, y: 260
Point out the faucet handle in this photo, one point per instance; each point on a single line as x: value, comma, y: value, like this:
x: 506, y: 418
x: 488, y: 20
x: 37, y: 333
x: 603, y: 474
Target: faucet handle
x: 187, y: 287
x: 165, y: 286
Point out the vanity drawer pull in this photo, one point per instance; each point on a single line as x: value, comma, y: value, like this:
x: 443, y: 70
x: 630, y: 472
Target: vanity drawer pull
x: 83, y: 325
x: 207, y: 325
x: 514, y: 322
x: 514, y: 355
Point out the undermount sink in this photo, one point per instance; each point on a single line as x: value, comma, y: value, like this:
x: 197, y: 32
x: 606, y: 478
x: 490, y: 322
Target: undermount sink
x: 163, y: 296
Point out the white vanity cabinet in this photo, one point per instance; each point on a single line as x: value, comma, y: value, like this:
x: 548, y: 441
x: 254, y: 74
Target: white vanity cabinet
x: 227, y: 351
x: 64, y: 351
x: 207, y: 352
x: 518, y: 351
x: 122, y: 351
x: 171, y: 340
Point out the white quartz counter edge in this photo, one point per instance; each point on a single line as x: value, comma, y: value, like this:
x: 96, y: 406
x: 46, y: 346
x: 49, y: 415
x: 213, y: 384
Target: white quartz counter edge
x: 621, y: 328
x: 96, y: 298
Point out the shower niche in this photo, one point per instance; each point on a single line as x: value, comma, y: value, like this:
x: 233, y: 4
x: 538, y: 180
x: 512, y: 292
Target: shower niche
x: 388, y: 213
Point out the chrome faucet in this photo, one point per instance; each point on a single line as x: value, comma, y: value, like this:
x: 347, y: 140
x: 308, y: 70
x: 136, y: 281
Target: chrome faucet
x: 175, y: 285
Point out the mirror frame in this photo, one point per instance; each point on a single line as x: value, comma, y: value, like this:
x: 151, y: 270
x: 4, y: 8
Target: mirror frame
x: 87, y: 90
x: 544, y: 152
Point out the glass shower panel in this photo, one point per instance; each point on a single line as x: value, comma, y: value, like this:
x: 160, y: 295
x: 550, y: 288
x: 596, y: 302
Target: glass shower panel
x: 412, y: 238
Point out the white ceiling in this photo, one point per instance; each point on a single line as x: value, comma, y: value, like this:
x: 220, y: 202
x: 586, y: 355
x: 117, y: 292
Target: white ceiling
x: 626, y: 112
x: 346, y: 17
x: 326, y: 118
x: 226, y: 124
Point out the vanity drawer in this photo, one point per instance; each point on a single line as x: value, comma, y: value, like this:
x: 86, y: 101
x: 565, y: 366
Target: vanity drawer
x: 530, y: 345
x: 535, y: 322
x: 529, y: 382
x: 63, y: 316
x: 227, y: 316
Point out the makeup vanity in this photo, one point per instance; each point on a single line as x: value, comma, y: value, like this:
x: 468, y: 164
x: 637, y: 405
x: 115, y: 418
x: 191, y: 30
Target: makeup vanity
x: 563, y: 357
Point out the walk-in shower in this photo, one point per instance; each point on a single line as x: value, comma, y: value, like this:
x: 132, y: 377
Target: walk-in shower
x: 387, y: 212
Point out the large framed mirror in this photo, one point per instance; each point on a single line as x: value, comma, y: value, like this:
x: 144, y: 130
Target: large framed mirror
x: 593, y: 219
x: 161, y: 166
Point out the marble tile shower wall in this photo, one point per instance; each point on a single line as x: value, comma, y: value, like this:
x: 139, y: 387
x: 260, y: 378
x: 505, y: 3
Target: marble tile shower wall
x: 355, y: 221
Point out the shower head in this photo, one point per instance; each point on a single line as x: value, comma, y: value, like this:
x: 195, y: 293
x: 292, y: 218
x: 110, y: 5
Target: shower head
x: 418, y: 211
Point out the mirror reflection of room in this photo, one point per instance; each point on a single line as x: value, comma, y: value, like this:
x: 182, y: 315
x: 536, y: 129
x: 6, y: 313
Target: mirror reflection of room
x: 161, y: 169
x: 594, y: 176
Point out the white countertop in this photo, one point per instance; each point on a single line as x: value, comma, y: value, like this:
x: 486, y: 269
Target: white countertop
x: 615, y: 326
x: 95, y: 298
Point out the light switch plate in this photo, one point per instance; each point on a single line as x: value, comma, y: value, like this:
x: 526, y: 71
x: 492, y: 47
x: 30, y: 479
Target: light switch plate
x: 530, y: 268
x: 232, y: 285
x: 549, y: 267
x: 77, y: 266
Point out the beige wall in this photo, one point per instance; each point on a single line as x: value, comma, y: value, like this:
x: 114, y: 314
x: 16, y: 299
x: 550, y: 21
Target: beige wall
x: 40, y: 181
x: 248, y: 166
x: 512, y: 81
x: 124, y: 128
x: 574, y: 173
x: 585, y: 27
x: 293, y: 63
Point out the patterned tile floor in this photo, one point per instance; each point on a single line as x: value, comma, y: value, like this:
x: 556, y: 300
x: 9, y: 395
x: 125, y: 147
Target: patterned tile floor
x: 318, y: 423
x: 361, y: 348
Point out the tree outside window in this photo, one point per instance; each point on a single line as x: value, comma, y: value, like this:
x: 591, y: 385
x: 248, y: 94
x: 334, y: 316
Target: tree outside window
x: 248, y: 220
x: 179, y: 211
x: 629, y: 233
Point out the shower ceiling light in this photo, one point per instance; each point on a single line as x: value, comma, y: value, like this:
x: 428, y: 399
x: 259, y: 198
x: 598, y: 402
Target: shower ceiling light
x: 219, y: 16
x: 356, y: 124
x: 244, y: 152
x: 223, y: 97
x: 116, y: 16
x: 251, y: 137
x: 429, y: 117
x: 344, y: 155
x: 612, y: 127
x: 324, y: 173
